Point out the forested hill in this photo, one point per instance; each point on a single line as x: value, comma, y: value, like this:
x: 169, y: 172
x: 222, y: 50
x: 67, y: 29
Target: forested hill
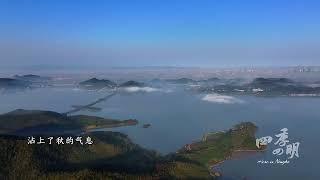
x: 111, y: 156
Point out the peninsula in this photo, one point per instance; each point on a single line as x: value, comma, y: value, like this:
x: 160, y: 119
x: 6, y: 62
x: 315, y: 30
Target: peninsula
x: 22, y: 121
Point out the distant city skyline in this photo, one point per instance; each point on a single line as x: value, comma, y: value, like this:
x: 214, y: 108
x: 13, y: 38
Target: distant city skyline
x: 142, y: 33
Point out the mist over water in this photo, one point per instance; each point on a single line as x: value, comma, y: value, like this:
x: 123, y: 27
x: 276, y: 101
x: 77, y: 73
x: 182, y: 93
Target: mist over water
x: 181, y: 117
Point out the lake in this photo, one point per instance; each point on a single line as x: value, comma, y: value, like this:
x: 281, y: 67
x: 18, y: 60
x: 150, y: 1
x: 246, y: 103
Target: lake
x: 178, y: 117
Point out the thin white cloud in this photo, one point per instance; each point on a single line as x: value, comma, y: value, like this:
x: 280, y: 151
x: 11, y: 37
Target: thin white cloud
x: 221, y: 99
x: 141, y: 89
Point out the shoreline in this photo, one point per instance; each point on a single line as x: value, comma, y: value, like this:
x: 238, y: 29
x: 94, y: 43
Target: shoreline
x: 215, y: 173
x: 120, y: 124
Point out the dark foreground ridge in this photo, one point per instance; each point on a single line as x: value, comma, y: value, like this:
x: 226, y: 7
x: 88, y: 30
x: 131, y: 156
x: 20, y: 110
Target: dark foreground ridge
x: 113, y: 155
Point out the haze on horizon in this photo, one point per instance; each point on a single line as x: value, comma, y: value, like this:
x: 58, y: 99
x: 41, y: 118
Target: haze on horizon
x: 125, y: 33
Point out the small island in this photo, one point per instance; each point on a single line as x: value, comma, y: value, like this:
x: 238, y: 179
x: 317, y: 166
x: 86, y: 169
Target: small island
x: 146, y: 125
x: 94, y: 84
x: 132, y: 84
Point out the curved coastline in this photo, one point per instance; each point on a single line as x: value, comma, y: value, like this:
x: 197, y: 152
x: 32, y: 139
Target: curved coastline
x: 213, y: 168
x: 216, y: 148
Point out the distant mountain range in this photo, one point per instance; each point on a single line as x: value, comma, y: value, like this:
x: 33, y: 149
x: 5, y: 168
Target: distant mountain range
x: 95, y: 83
x: 192, y: 81
x: 32, y: 78
x: 24, y: 81
x: 265, y: 87
x: 181, y: 81
x: 260, y: 86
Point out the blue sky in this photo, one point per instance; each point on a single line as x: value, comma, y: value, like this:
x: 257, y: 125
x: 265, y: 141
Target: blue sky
x: 160, y: 32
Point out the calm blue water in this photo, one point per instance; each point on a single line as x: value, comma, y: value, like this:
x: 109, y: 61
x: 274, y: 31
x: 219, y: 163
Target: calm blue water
x: 179, y: 117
